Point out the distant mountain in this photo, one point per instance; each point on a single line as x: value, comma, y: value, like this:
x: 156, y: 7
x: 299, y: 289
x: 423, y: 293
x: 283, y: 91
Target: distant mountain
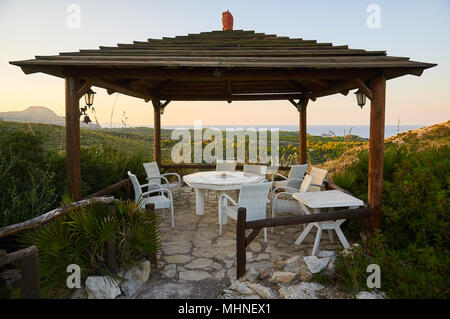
x: 34, y: 114
x: 38, y: 114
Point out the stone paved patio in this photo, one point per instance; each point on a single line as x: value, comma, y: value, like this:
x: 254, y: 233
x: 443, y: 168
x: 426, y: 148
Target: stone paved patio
x: 193, y: 252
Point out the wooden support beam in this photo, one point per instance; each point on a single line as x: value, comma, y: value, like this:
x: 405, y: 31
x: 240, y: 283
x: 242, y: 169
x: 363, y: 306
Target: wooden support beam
x: 113, y: 87
x: 157, y: 131
x: 364, y: 88
x: 376, y: 147
x: 73, y: 156
x: 302, y: 131
x: 240, y: 242
x: 84, y: 88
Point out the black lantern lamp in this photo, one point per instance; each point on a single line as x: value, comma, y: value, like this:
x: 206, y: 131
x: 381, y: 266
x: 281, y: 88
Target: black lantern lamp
x: 89, y: 97
x: 360, y: 98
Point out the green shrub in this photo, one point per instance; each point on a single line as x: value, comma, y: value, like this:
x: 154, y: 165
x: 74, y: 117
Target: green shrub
x: 413, y: 246
x: 79, y: 237
x: 26, y: 183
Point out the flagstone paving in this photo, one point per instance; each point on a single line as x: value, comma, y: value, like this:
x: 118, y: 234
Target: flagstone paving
x: 194, y: 260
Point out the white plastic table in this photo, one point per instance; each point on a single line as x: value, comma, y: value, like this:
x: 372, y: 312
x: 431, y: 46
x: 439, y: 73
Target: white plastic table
x: 325, y: 199
x: 220, y: 181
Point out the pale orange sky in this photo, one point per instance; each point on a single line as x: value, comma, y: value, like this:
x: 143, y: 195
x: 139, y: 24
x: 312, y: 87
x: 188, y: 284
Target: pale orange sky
x: 39, y: 29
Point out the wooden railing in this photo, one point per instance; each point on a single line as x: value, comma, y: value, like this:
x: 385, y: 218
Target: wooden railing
x: 242, y: 225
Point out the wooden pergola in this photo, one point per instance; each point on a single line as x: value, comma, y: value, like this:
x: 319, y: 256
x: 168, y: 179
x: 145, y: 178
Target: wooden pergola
x: 227, y: 66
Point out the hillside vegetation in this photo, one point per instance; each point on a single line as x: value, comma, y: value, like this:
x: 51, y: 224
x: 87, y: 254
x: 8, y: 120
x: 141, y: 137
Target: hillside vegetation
x: 417, y: 140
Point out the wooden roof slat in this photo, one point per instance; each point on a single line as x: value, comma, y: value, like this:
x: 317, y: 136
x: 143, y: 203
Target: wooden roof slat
x: 220, y: 65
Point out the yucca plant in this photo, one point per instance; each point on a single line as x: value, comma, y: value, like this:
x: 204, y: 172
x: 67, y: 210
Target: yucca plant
x: 80, y: 236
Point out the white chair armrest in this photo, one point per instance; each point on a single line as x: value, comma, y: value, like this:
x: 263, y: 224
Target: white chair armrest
x: 227, y: 197
x: 160, y: 190
x: 160, y: 177
x: 278, y: 174
x: 173, y: 174
x: 279, y: 194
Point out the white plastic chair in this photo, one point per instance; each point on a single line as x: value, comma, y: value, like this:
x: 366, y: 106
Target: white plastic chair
x: 294, y: 179
x: 289, y: 205
x: 253, y: 197
x: 163, y: 200
x: 155, y: 177
x: 225, y: 166
x: 318, y: 177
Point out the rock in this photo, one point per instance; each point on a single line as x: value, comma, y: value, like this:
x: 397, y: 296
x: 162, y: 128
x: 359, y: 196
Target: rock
x: 200, y: 263
x: 249, y: 256
x: 294, y: 265
x: 173, y: 248
x: 316, y: 265
x: 102, y: 287
x: 264, y: 273
x: 259, y: 265
x: 193, y: 275
x: 263, y: 292
x: 217, y: 266
x: 169, y: 271
x: 305, y: 275
x: 262, y: 257
x: 291, y: 260
x: 241, y: 287
x: 282, y: 276
x: 255, y: 246
x: 303, y: 290
x: 177, y: 259
x: 220, y: 274
x: 326, y: 253
x: 277, y: 263
x: 251, y: 274
x: 79, y: 293
x: 369, y: 295
x: 135, y: 278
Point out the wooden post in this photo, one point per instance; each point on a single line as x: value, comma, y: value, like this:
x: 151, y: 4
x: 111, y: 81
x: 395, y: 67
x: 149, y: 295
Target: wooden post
x: 303, y: 103
x: 156, y: 131
x: 73, y: 157
x: 240, y: 242
x: 30, y: 276
x: 376, y: 147
x: 150, y: 207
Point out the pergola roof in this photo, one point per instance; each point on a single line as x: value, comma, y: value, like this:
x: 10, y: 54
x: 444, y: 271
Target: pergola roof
x: 225, y: 65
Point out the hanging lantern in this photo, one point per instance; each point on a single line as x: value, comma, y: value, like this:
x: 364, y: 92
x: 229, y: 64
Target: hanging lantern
x: 89, y: 97
x: 360, y: 98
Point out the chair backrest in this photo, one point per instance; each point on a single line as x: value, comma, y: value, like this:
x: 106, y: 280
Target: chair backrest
x: 152, y: 169
x: 254, y: 198
x: 305, y: 184
x: 318, y: 176
x: 136, y: 186
x: 225, y: 166
x: 298, y: 172
x: 272, y: 169
x: 255, y: 169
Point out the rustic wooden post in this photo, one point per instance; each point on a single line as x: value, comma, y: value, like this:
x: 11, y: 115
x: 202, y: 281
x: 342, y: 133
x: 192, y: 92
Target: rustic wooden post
x: 240, y: 242
x: 376, y: 147
x: 30, y: 275
x: 111, y: 258
x: 150, y: 207
x: 73, y: 157
x: 303, y: 103
x: 156, y: 131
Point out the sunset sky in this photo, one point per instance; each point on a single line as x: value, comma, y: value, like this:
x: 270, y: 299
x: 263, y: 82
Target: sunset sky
x: 416, y: 29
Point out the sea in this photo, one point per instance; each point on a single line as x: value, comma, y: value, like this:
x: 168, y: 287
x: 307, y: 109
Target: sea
x: 322, y: 130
